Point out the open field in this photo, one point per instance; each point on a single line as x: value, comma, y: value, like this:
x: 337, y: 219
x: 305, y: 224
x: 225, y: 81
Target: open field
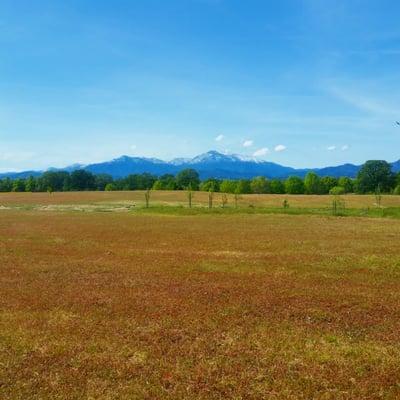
x: 160, y: 197
x: 129, y: 305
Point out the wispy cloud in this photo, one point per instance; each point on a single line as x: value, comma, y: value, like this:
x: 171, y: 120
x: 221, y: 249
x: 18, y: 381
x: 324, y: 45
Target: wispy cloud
x: 247, y: 143
x: 219, y: 138
x: 279, y: 148
x: 261, y: 152
x: 366, y: 103
x: 331, y: 148
x: 345, y: 147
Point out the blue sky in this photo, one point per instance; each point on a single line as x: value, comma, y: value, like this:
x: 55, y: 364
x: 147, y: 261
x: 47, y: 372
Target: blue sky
x: 299, y: 82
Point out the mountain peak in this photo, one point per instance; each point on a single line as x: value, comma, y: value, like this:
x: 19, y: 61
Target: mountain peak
x: 213, y: 156
x: 211, y: 164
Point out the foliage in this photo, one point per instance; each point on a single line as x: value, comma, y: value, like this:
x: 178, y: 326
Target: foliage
x: 102, y: 180
x: 110, y: 187
x: 188, y: 177
x: 327, y: 183
x: 294, y: 185
x: 18, y: 185
x: 372, y: 175
x: 312, y: 183
x: 228, y: 186
x: 82, y: 180
x: 346, y: 183
x: 243, y: 187
x: 277, y: 186
x: 375, y: 173
x: 210, y: 185
x: 260, y: 185
x: 165, y: 182
x: 337, y: 190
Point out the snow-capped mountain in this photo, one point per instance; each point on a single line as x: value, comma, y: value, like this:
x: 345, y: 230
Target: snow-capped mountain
x: 210, y: 164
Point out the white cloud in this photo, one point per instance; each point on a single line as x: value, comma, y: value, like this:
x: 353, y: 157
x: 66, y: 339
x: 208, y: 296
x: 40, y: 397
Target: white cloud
x: 247, y: 143
x: 261, y: 152
x: 331, y: 148
x: 280, y: 147
x: 219, y: 138
x: 345, y: 147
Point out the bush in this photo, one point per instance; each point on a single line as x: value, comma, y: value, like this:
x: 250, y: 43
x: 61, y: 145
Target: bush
x: 337, y: 190
x: 397, y: 190
x: 110, y: 187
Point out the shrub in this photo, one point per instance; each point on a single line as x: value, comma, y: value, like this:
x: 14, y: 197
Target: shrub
x: 337, y: 190
x: 110, y: 187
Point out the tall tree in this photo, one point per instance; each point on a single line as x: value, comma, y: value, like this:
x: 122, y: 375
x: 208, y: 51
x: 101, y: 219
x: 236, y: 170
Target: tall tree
x: 346, y: 183
x: 259, y: 185
x: 327, y: 183
x: 374, y: 175
x: 188, y: 177
x: 82, y: 180
x: 294, y: 185
x: 312, y: 183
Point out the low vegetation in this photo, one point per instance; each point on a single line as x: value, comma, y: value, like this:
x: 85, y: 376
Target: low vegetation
x: 151, y: 305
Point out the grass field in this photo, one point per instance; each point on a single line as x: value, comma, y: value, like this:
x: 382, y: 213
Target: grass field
x: 159, y: 305
x: 180, y: 198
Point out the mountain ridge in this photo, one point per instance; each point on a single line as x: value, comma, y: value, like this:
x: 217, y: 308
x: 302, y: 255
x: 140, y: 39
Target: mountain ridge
x: 210, y: 164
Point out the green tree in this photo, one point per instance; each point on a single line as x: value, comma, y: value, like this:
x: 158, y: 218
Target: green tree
x: 277, y: 186
x: 168, y: 182
x: 102, y: 180
x: 327, y: 183
x: 18, y: 185
x: 137, y: 182
x: 259, y: 185
x: 82, y: 180
x: 398, y: 179
x: 374, y: 174
x: 53, y: 180
x: 210, y: 184
x: 158, y: 185
x: 346, y: 183
x: 228, y: 186
x: 6, y: 185
x: 294, y: 185
x: 110, y: 187
x: 337, y: 190
x: 242, y: 186
x: 312, y: 183
x: 188, y: 177
x: 30, y: 184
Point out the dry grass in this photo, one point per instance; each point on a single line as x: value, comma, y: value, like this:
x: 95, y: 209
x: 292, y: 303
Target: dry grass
x: 125, y: 306
x: 180, y: 197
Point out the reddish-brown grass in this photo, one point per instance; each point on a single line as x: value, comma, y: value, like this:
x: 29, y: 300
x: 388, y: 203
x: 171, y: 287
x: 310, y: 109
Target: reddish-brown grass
x: 124, y: 306
x: 200, y: 198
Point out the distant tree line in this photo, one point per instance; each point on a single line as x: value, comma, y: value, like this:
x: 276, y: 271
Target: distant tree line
x: 373, y: 176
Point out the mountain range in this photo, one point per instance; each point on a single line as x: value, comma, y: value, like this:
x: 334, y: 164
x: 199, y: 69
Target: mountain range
x: 210, y: 164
